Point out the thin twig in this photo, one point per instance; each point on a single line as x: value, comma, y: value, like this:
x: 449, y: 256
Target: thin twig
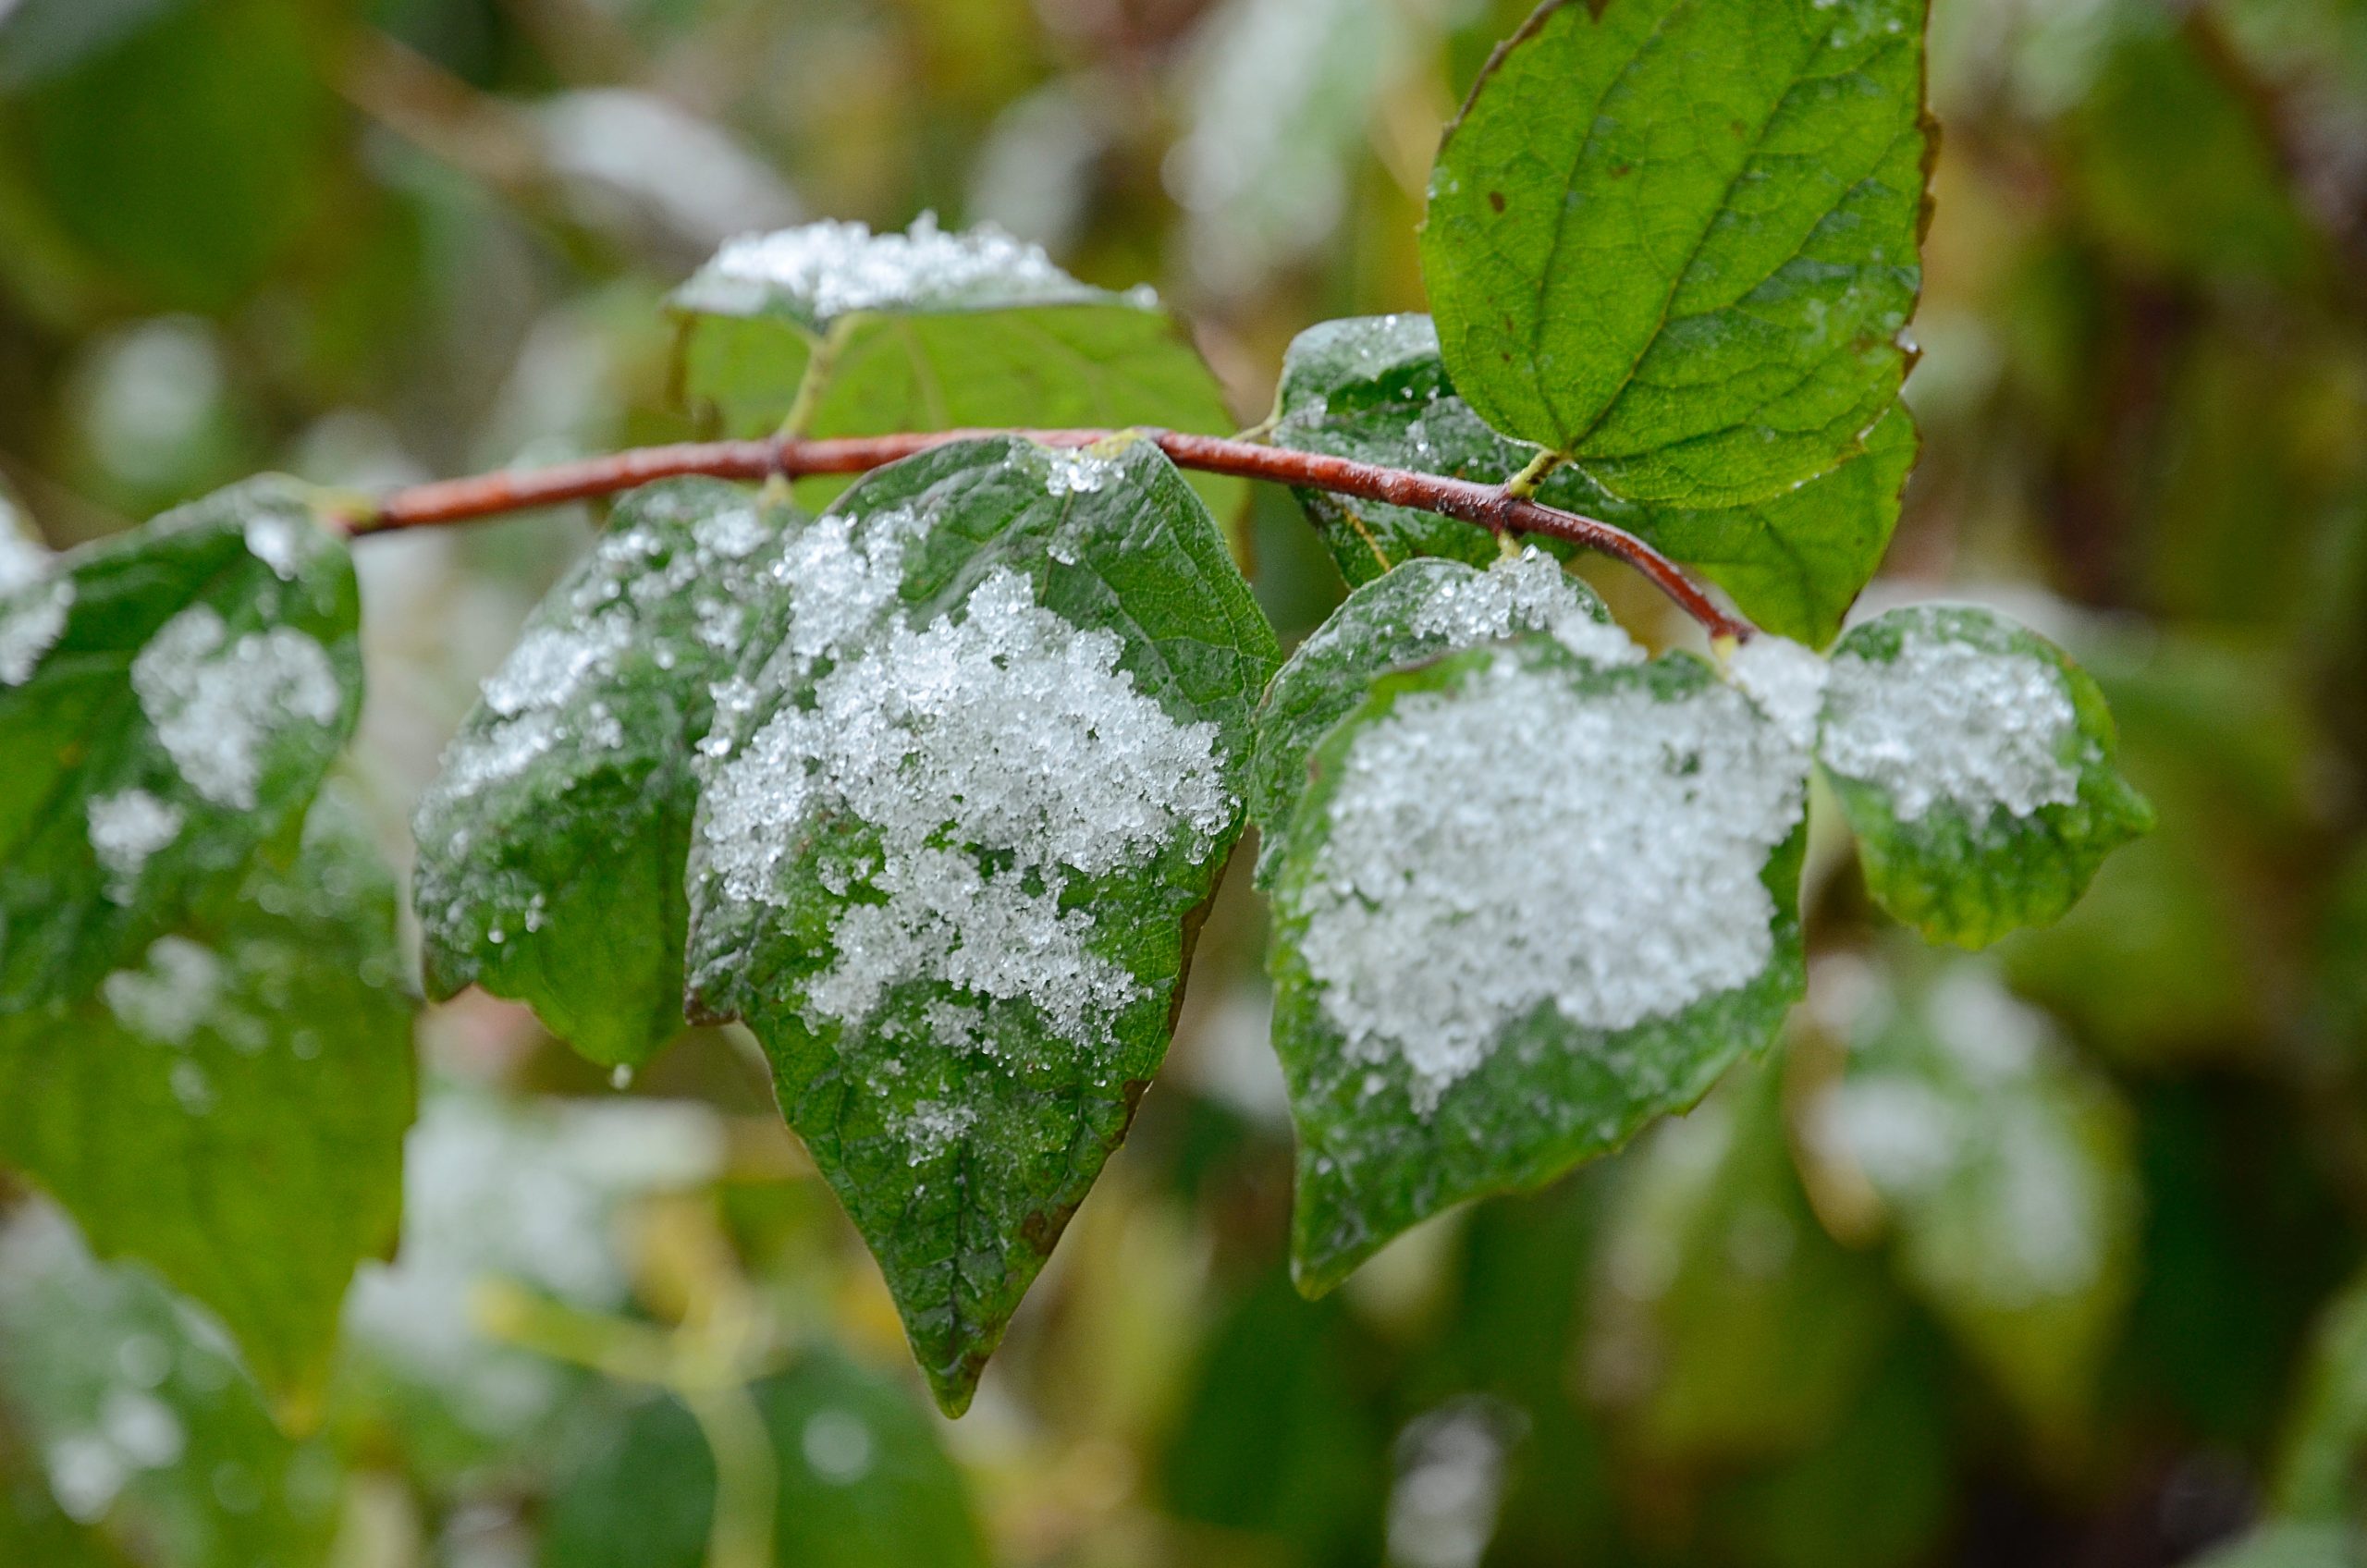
x: 1491, y: 506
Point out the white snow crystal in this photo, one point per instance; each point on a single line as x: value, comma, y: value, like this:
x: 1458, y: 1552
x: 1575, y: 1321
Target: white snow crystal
x: 1787, y: 681
x: 1009, y: 732
x: 1517, y: 842
x: 278, y: 541
x: 1899, y: 1132
x: 22, y: 558
x: 30, y: 628
x: 178, y: 990
x: 125, y: 828
x: 1079, y: 473
x: 1529, y: 592
x: 1949, y: 722
x: 551, y: 662
x: 837, y: 268
x: 933, y: 1126
x: 214, y: 709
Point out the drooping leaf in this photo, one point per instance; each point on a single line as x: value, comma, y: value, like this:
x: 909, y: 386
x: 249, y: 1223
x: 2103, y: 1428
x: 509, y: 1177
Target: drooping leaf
x: 861, y: 1482
x: 2008, y: 1174
x: 1529, y: 902
x: 230, y: 1110
x: 169, y: 699
x: 954, y: 821
x: 848, y: 333
x: 1976, y: 763
x: 551, y: 849
x: 146, y: 1426
x: 1375, y: 388
x: 1676, y: 239
x: 1420, y: 610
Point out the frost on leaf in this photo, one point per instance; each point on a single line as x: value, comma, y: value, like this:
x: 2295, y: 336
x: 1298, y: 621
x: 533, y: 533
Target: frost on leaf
x: 972, y: 778
x: 1976, y: 763
x: 2005, y: 1171
x: 551, y: 848
x: 1530, y: 901
x: 1419, y: 611
x: 170, y: 699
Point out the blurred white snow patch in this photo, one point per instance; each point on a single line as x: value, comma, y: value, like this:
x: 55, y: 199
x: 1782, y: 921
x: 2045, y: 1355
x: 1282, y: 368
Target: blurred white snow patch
x: 1033, y: 175
x: 1231, y: 1056
x: 633, y: 162
x: 1450, y: 1485
x: 150, y: 394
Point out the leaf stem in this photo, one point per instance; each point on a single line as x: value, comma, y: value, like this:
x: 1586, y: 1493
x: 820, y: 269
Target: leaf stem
x: 1493, y: 507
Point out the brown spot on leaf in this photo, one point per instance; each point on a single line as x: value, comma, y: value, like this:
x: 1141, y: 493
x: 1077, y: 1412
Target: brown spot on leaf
x: 1496, y: 200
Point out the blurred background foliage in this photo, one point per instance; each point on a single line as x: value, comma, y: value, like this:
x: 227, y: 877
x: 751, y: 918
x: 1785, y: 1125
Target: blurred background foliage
x: 2047, y: 1257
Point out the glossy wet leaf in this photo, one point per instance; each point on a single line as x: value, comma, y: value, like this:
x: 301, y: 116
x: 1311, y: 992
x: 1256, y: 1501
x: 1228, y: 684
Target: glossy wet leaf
x: 170, y: 699
x: 1420, y: 610
x: 955, y: 819
x: 551, y: 849
x: 928, y: 330
x: 1375, y: 388
x: 229, y: 1110
x: 1529, y: 902
x: 861, y: 1482
x: 146, y: 1426
x: 2008, y: 1174
x: 1976, y: 764
x: 1676, y: 239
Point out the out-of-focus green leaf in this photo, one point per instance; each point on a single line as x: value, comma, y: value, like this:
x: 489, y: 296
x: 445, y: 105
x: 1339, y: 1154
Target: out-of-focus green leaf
x: 144, y: 1424
x: 551, y: 850
x: 861, y: 1482
x: 169, y: 700
x: 1423, y: 608
x: 842, y: 332
x: 955, y: 818
x: 2281, y: 1545
x: 1976, y: 763
x: 1530, y: 901
x: 1727, y: 1324
x: 1376, y: 389
x: 1676, y: 239
x: 2010, y: 1175
x: 182, y: 146
x: 231, y: 1111
x: 2318, y: 1472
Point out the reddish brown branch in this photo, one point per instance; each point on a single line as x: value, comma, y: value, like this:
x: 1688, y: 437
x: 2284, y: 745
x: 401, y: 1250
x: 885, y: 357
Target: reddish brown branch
x: 457, y: 500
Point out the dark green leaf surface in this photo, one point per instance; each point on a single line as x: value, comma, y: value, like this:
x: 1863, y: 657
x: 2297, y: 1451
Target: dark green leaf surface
x: 863, y: 1483
x: 1529, y: 902
x: 1976, y: 763
x: 146, y: 1426
x: 551, y: 849
x: 1676, y: 239
x: 230, y: 1111
x: 1418, y: 611
x: 955, y: 820
x: 1376, y: 389
x: 934, y: 331
x: 169, y: 700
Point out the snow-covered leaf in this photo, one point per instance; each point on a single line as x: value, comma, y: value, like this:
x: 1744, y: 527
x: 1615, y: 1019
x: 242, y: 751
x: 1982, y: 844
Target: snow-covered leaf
x: 955, y: 818
x: 1677, y: 240
x: 1976, y: 763
x: 551, y: 849
x: 229, y: 1108
x: 141, y: 1418
x: 857, y: 334
x: 2007, y: 1172
x: 169, y: 700
x: 1529, y: 902
x: 1375, y: 388
x: 1418, y: 611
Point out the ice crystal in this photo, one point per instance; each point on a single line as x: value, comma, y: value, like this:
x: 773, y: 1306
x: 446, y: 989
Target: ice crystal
x: 1080, y: 473
x: 127, y: 828
x: 22, y: 559
x: 31, y: 627
x: 833, y: 269
x: 172, y: 996
x: 278, y: 541
x: 216, y: 707
x: 933, y: 1126
x: 1949, y: 722
x: 1529, y: 592
x: 1520, y: 841
x: 1787, y: 681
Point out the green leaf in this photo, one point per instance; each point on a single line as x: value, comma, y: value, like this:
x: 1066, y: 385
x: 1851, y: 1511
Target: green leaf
x: 954, y: 823
x: 1529, y: 902
x: 2009, y: 1174
x: 1676, y: 239
x: 551, y: 849
x: 145, y: 1425
x: 1374, y: 388
x: 2318, y: 1472
x: 1420, y: 610
x: 232, y: 1111
x: 1727, y: 1324
x: 863, y: 1482
x: 1976, y: 763
x: 2282, y: 1544
x: 169, y: 699
x: 842, y: 332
